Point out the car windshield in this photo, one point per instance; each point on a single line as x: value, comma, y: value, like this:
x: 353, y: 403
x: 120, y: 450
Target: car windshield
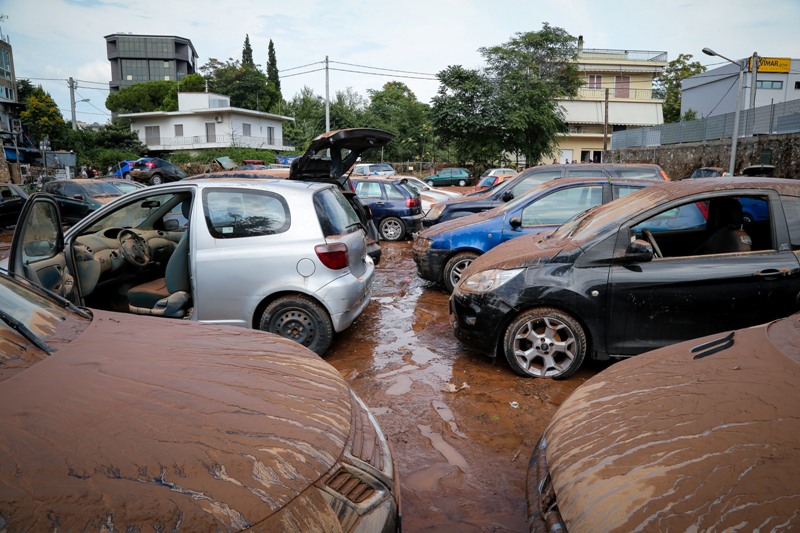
x: 600, y: 219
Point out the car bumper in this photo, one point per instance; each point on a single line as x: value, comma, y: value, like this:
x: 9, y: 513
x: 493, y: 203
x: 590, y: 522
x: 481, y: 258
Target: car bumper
x: 479, y: 319
x: 413, y: 223
x: 430, y: 263
x: 347, y: 297
x: 428, y: 222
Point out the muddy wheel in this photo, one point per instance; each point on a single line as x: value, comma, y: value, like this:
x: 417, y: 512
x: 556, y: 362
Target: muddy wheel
x: 392, y: 229
x: 156, y: 179
x: 430, y: 183
x: 300, y: 319
x: 545, y: 343
x: 454, y: 267
x: 462, y: 183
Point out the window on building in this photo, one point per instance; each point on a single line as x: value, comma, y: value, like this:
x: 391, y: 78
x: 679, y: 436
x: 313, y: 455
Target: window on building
x: 270, y: 135
x: 769, y: 84
x: 152, y: 135
x: 797, y: 86
x: 595, y: 81
x: 622, y: 86
x: 246, y: 130
x: 5, y: 64
x: 178, y: 130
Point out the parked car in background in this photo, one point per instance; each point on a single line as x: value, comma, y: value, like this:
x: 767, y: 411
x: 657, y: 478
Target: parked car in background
x: 498, y: 172
x: 697, y: 436
x: 428, y: 196
x: 487, y: 182
x: 131, y: 423
x: 124, y: 186
x: 78, y: 197
x: 668, y: 263
x: 443, y: 251
x: 450, y: 176
x: 373, y: 169
x: 396, y: 208
x: 123, y: 169
x: 522, y: 182
x: 12, y: 198
x: 199, y: 249
x: 707, y: 172
x: 154, y: 171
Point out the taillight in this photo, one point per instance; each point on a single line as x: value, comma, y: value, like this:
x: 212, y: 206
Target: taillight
x: 150, y: 164
x: 333, y: 256
x: 412, y: 202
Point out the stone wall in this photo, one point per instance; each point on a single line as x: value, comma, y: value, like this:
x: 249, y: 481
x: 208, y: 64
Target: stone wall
x: 679, y: 160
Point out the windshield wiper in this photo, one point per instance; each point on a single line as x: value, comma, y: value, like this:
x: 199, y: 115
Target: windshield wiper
x: 23, y: 330
x: 85, y: 312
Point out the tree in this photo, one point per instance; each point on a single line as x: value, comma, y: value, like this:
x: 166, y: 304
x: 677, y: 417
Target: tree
x: 24, y: 90
x: 192, y: 83
x: 246, y: 86
x: 511, y: 104
x: 42, y: 119
x: 668, y: 84
x: 145, y: 97
x: 308, y: 111
x: 395, y: 108
x: 272, y: 73
x: 247, y: 53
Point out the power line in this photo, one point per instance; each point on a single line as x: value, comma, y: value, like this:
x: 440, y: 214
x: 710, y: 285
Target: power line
x: 301, y: 73
x: 387, y: 69
x: 302, y: 66
x: 385, y: 75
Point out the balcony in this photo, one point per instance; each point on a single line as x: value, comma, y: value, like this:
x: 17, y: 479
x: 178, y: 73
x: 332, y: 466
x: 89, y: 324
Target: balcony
x: 585, y: 93
x: 598, y: 54
x: 222, y: 140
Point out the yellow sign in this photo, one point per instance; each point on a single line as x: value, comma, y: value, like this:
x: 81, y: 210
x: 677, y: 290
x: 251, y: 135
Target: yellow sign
x: 772, y: 64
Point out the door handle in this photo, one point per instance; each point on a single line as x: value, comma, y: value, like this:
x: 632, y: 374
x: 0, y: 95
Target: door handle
x: 770, y: 274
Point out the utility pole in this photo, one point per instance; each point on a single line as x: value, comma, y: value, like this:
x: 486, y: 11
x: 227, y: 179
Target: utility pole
x: 327, y: 97
x: 754, y: 63
x: 72, y: 86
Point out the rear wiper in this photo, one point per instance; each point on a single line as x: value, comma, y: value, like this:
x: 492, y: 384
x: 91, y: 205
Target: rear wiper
x: 23, y: 330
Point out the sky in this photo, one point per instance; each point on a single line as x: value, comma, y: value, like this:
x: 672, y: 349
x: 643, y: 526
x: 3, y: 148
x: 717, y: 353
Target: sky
x: 411, y: 40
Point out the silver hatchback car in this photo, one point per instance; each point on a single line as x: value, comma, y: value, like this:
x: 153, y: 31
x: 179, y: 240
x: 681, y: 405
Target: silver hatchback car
x: 281, y: 256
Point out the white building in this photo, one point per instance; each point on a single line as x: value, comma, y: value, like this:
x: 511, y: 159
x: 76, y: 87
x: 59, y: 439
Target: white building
x: 207, y: 120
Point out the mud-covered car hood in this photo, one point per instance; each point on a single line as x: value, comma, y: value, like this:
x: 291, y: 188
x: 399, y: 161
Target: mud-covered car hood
x: 683, y: 441
x: 106, y: 433
x: 456, y: 223
x: 522, y: 252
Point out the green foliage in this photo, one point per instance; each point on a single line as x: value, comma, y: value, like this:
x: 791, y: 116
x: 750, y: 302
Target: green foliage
x: 42, y: 118
x: 668, y: 84
x: 246, y: 86
x: 24, y: 90
x: 145, y: 97
x: 193, y: 83
x: 247, y: 53
x: 105, y: 147
x: 308, y: 111
x: 272, y: 70
x: 395, y: 108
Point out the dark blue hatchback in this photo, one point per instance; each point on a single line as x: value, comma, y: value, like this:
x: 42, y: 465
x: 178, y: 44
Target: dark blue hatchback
x: 396, y: 207
x: 443, y: 251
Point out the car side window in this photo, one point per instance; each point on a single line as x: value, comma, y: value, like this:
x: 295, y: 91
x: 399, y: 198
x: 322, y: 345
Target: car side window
x: 559, y: 206
x: 585, y: 173
x: 791, y: 208
x: 368, y: 189
x: 619, y: 191
x: 40, y: 235
x: 71, y: 190
x: 393, y: 193
x: 234, y: 214
x: 7, y: 193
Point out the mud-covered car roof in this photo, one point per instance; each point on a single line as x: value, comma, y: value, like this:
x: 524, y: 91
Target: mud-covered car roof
x: 699, y: 436
x: 217, y: 432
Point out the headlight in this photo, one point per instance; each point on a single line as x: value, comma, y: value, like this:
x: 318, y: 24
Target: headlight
x: 422, y: 245
x: 435, y: 211
x: 488, y: 280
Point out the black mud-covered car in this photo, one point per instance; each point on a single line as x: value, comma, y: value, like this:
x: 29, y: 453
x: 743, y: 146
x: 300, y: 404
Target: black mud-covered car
x: 524, y: 181
x: 671, y: 262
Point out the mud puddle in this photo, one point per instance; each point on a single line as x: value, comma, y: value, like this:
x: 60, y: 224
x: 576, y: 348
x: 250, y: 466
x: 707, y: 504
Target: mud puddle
x: 462, y: 426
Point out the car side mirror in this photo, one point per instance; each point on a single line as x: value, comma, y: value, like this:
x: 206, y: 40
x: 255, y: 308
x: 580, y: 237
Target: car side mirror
x: 508, y: 195
x: 77, y: 197
x: 171, y: 224
x: 639, y: 251
x: 40, y: 248
x: 515, y: 222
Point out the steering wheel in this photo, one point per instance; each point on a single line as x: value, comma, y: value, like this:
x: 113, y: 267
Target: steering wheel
x: 134, y: 248
x: 652, y: 240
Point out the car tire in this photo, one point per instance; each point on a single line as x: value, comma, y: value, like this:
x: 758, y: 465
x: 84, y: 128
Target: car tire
x: 392, y: 229
x: 156, y: 179
x: 545, y: 342
x: 454, y: 267
x: 462, y: 183
x: 301, y: 319
x: 429, y: 182
x: 126, y: 176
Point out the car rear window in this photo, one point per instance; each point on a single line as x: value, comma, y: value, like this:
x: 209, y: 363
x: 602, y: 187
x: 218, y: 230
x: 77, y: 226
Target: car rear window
x: 395, y: 192
x: 336, y: 215
x: 233, y: 213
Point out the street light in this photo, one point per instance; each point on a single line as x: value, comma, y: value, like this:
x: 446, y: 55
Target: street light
x: 74, y: 121
x: 735, y: 136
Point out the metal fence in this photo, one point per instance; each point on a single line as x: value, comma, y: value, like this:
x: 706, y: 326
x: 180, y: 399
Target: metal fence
x: 778, y: 118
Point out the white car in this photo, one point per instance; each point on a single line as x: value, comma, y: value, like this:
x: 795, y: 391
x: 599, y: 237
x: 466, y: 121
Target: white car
x: 281, y: 256
x: 373, y: 169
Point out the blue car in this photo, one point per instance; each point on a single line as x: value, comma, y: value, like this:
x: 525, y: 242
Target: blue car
x: 443, y: 251
x: 396, y: 207
x: 123, y: 169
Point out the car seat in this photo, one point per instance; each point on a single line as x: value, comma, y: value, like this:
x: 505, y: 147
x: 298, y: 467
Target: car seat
x: 169, y: 296
x: 725, y: 222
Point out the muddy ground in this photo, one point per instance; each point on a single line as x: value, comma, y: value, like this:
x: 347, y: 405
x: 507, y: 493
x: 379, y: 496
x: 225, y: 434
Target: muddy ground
x: 462, y: 425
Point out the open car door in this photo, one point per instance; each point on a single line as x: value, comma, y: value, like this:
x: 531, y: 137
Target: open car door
x: 37, y: 249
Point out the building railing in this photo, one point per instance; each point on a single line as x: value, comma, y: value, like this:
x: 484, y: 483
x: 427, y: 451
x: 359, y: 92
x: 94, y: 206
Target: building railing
x: 585, y: 93
x: 622, y: 55
x: 783, y: 117
x: 216, y: 141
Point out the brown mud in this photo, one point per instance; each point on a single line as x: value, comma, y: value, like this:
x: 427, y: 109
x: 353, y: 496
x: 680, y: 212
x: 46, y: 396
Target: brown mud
x: 462, y: 425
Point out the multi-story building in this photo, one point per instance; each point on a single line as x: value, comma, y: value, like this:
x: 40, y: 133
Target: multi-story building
x: 618, y: 94
x: 138, y: 58
x: 9, y: 105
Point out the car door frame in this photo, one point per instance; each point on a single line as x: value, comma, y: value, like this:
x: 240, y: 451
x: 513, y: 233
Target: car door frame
x: 645, y: 291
